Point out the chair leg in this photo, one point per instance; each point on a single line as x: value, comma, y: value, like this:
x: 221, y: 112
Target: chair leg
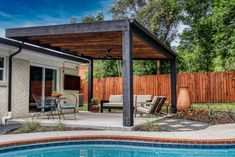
x: 75, y: 114
x: 62, y: 114
x: 34, y: 116
x: 39, y: 115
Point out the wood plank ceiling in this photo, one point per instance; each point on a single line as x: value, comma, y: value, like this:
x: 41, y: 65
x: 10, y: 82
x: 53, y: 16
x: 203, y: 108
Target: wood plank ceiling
x: 96, y: 45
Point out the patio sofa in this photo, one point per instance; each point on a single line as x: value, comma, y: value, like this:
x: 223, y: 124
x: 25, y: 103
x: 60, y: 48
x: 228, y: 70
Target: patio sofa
x: 116, y: 101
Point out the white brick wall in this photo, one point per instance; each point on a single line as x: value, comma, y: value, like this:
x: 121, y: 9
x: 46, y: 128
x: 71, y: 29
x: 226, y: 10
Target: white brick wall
x: 3, y: 100
x: 68, y: 71
x: 4, y: 94
x: 20, y: 88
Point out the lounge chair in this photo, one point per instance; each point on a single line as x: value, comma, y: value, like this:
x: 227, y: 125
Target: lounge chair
x: 140, y: 99
x: 114, y: 102
x: 70, y: 103
x: 148, y: 107
x: 159, y: 106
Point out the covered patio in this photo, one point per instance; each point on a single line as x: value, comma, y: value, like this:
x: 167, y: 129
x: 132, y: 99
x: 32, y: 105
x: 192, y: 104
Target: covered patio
x: 124, y: 40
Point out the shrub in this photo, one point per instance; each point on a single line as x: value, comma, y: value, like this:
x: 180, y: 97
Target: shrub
x: 151, y: 126
x: 231, y: 113
x: 29, y: 127
x: 94, y: 101
x: 212, y: 113
x: 60, y: 127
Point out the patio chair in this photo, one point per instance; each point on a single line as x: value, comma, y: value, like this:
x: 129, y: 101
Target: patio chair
x: 140, y: 99
x: 43, y: 105
x: 148, y: 107
x: 159, y: 106
x: 114, y: 102
x: 70, y: 103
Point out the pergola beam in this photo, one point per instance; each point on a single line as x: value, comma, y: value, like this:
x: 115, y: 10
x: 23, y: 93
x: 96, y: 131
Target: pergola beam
x: 147, y: 37
x: 105, y: 26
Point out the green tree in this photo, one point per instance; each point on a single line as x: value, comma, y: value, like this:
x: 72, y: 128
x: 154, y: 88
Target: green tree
x: 126, y: 8
x: 196, y: 38
x: 161, y: 17
x: 98, y: 18
x: 209, y: 38
x: 223, y: 21
x: 73, y: 20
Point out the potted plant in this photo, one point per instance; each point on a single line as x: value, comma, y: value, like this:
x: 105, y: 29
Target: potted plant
x: 94, y: 107
x: 55, y: 94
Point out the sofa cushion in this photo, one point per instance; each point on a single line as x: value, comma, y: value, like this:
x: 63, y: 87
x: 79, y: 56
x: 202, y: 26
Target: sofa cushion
x: 115, y: 99
x: 113, y: 104
x: 143, y: 98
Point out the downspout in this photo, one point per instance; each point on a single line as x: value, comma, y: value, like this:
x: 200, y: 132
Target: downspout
x: 9, y: 114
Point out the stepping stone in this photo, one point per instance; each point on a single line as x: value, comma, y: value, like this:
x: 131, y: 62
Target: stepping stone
x: 197, y: 125
x: 170, y: 120
x: 162, y: 123
x: 176, y: 125
x: 186, y: 122
x: 184, y: 129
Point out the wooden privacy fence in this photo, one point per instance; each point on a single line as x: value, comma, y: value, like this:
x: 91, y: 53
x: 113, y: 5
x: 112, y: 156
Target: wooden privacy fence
x: 203, y: 86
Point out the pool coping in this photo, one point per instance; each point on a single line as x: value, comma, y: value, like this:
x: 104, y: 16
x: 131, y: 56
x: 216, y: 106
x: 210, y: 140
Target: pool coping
x: 120, y: 138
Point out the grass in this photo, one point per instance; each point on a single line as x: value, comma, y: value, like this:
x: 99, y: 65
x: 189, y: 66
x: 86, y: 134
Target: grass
x: 215, y: 106
x: 30, y: 127
x: 151, y: 126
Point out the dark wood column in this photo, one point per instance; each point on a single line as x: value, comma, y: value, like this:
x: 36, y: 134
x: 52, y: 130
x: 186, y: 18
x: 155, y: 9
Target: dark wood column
x: 90, y: 83
x: 128, y: 119
x: 173, y: 86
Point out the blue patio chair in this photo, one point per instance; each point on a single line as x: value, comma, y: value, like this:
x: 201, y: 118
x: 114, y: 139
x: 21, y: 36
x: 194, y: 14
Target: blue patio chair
x: 43, y: 105
x: 70, y: 103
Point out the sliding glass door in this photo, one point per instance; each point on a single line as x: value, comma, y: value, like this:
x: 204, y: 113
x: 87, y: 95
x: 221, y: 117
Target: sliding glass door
x: 43, y: 81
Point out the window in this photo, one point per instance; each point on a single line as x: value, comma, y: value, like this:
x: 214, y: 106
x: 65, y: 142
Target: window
x: 2, y: 68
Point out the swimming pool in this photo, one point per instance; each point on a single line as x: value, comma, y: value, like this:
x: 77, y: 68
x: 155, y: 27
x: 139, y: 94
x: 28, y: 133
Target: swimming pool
x: 116, y: 149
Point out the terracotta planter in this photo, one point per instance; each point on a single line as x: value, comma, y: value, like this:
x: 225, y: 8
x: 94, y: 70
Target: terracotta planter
x: 95, y: 108
x: 56, y: 95
x: 183, y: 100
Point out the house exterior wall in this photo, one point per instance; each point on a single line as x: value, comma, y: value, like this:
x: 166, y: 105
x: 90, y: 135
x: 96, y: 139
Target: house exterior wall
x: 21, y: 79
x: 3, y: 100
x: 4, y: 89
x: 20, y: 88
x: 68, y: 71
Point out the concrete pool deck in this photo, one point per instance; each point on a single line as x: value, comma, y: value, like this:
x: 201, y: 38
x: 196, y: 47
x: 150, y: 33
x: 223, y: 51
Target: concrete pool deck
x: 217, y: 134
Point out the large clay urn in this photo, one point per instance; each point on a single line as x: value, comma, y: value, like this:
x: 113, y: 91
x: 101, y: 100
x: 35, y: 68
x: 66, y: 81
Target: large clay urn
x: 183, y: 100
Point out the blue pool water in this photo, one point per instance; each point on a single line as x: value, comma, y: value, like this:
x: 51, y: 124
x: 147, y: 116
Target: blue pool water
x: 116, y: 149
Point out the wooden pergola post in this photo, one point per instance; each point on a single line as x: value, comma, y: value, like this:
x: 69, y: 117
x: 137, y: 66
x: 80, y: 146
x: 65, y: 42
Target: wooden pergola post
x: 173, y: 86
x: 90, y: 83
x: 128, y: 118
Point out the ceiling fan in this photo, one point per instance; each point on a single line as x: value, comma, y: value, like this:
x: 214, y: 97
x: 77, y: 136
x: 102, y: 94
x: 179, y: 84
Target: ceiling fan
x: 108, y: 54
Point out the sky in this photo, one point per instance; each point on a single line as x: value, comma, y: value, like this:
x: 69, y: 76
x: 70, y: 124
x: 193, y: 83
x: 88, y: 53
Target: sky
x: 25, y: 13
